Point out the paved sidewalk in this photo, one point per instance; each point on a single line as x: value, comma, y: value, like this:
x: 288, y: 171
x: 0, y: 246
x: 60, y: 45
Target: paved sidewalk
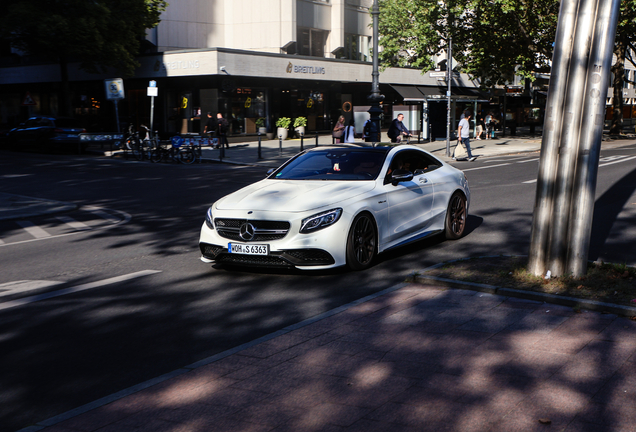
x: 414, y: 358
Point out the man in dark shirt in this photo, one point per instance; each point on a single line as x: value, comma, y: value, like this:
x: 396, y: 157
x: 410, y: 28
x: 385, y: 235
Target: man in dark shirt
x: 397, y: 129
x: 221, y: 130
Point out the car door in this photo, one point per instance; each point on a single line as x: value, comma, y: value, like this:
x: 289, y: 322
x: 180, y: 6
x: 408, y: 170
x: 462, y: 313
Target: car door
x: 410, y: 202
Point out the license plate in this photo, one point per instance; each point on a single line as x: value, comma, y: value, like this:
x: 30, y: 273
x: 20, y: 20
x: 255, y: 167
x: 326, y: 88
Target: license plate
x: 246, y: 249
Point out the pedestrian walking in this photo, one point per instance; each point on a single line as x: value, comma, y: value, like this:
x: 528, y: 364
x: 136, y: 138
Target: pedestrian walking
x: 350, y: 133
x: 338, y: 129
x: 463, y: 135
x: 221, y: 130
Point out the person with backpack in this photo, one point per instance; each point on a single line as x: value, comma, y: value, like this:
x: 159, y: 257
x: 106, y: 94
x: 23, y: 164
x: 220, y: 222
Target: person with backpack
x: 221, y: 130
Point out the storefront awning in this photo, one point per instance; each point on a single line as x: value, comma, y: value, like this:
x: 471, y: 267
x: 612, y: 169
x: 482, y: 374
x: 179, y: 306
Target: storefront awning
x: 424, y: 93
x: 409, y: 93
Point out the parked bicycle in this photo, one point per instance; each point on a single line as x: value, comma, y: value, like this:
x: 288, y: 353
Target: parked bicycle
x: 164, y: 152
x: 143, y: 148
x: 131, y: 139
x: 190, y: 151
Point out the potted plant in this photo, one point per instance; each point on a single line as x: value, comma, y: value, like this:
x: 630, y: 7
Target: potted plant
x: 283, y: 125
x: 299, y: 125
x: 260, y: 124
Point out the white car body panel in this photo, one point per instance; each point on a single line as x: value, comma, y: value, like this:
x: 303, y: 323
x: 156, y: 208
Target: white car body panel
x: 404, y: 212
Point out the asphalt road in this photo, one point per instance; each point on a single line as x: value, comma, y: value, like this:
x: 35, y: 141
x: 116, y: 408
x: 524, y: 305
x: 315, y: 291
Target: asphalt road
x: 109, y: 334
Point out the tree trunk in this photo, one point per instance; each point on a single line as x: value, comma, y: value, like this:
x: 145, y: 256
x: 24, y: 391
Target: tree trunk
x: 618, y: 69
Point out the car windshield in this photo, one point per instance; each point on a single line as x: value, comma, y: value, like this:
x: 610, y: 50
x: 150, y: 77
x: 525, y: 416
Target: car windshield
x: 334, y: 164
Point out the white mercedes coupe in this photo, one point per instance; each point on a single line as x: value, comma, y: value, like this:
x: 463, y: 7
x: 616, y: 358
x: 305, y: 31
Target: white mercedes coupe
x: 337, y: 205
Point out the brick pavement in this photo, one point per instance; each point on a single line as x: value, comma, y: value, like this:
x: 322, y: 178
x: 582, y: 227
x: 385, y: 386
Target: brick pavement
x: 419, y: 358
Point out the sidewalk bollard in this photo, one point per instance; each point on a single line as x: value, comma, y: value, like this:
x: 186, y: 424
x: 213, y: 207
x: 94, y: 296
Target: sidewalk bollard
x: 316, y: 138
x: 259, y: 147
x: 280, y: 145
x: 302, y: 136
x: 222, y: 152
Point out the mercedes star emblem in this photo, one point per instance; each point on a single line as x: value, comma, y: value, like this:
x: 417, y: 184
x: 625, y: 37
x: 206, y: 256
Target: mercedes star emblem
x: 247, y: 231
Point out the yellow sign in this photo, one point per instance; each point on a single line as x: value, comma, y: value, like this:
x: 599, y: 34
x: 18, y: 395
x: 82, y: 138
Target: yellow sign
x: 184, y: 102
x: 248, y: 102
x: 310, y: 103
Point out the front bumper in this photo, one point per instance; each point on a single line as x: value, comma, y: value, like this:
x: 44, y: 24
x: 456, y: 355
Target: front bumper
x: 277, y: 259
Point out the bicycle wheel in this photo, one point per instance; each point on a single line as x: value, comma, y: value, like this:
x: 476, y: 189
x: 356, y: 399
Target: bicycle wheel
x: 138, y: 151
x: 186, y: 155
x: 155, y: 155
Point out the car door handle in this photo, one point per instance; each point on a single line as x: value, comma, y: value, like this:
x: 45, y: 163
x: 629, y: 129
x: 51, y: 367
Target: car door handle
x: 423, y: 180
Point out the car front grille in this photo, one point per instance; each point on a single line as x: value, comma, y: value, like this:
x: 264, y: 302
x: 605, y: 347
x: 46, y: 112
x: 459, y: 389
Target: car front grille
x: 264, y: 230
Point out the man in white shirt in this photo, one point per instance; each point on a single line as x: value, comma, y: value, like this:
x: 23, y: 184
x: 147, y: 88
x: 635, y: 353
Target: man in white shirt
x: 463, y: 134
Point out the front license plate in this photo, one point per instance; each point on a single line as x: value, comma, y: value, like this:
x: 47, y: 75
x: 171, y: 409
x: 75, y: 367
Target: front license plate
x: 245, y: 249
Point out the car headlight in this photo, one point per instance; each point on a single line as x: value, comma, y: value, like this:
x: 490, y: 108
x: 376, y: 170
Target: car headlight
x: 320, y: 221
x: 209, y: 219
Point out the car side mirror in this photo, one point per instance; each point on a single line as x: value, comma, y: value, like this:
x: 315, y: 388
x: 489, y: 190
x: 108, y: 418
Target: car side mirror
x: 401, y: 175
x: 270, y: 171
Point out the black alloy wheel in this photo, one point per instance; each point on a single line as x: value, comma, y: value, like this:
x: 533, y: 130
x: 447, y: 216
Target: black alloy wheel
x: 361, y: 242
x: 456, y: 217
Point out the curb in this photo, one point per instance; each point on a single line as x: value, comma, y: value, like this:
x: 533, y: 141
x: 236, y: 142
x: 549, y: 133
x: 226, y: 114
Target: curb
x: 592, y: 305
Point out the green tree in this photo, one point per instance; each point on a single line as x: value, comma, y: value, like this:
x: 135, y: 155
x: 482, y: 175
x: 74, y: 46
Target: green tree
x: 97, y: 33
x: 493, y: 40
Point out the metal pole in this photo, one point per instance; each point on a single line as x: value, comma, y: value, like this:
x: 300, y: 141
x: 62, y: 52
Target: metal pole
x: 570, y: 136
x: 316, y: 138
x: 449, y: 80
x: 117, y: 113
x: 280, y: 145
x: 302, y: 136
x: 152, y: 111
x: 375, y: 97
x: 598, y: 72
x: 544, y: 200
x: 259, y: 146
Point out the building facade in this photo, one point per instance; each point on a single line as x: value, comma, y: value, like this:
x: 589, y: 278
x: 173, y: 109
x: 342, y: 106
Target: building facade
x: 248, y: 59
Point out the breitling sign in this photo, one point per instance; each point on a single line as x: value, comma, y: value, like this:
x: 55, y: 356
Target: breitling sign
x: 298, y: 69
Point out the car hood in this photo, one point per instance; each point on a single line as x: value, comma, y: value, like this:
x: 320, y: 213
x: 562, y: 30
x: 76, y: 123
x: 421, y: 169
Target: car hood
x: 292, y: 195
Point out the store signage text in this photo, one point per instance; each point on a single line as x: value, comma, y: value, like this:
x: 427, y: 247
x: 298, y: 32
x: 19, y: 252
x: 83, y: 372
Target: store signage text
x: 292, y: 68
x: 178, y: 64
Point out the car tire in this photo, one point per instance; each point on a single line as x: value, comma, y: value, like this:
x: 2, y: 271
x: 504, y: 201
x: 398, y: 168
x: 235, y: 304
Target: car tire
x: 361, y: 242
x: 456, y: 214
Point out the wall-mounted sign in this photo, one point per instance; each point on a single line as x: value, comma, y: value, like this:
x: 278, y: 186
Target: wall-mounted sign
x: 299, y: 69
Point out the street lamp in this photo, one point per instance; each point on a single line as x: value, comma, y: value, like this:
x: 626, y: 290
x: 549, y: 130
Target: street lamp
x: 375, y: 97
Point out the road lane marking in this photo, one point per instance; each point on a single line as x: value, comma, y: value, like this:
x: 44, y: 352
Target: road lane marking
x: 485, y: 167
x: 617, y: 161
x: 101, y: 213
x: 73, y: 223
x: 529, y: 160
x: 25, y: 285
x: 75, y: 289
x: 114, y: 222
x: 33, y: 229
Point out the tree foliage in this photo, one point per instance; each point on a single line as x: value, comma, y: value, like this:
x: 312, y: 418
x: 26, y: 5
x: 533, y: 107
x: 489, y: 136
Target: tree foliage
x: 98, y: 33
x: 493, y: 40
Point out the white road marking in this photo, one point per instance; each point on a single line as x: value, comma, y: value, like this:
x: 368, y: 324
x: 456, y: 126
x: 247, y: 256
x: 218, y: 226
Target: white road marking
x: 617, y: 161
x: 33, y: 229
x: 114, y: 222
x: 75, y: 289
x: 25, y: 285
x: 613, y: 159
x: 101, y: 213
x: 73, y: 223
x: 486, y: 167
x: 529, y: 160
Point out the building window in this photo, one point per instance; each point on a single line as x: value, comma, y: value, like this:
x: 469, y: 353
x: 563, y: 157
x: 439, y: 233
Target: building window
x: 311, y: 42
x: 357, y: 47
